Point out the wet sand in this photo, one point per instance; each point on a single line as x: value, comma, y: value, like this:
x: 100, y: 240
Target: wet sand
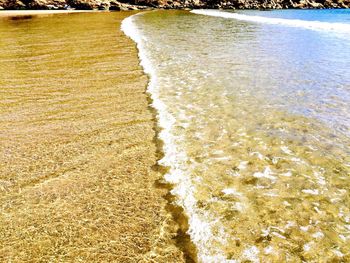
x: 78, y: 174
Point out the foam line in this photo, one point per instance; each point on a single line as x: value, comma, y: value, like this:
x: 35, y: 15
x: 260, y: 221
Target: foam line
x: 200, y: 222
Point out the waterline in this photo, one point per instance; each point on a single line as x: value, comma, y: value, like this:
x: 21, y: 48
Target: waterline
x: 248, y: 169
x: 200, y: 230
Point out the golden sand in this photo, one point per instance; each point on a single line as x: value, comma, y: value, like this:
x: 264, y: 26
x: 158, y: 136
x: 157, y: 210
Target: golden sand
x: 11, y: 13
x: 78, y: 174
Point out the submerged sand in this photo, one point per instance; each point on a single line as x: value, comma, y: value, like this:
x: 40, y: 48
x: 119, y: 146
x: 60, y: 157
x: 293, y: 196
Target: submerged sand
x: 78, y: 175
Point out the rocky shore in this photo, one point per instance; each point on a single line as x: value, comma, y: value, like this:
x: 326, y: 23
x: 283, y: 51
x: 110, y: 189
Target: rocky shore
x: 122, y: 5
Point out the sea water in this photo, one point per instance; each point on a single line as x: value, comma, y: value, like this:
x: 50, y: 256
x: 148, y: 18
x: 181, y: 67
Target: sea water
x: 254, y: 108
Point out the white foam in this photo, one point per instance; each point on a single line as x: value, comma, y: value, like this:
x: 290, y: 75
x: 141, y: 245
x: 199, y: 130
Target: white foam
x: 318, y: 235
x: 320, y: 179
x: 286, y: 150
x: 275, y: 160
x: 290, y: 224
x: 231, y: 191
x: 338, y: 253
x: 286, y: 203
x: 297, y: 160
x: 307, y: 247
x: 287, y: 174
x: 268, y: 250
x: 304, y: 228
x: 317, y: 210
x: 267, y: 173
x: 265, y: 232
x: 311, y: 25
x: 238, y: 206
x: 343, y: 238
x: 224, y: 158
x: 271, y: 194
x: 200, y: 224
x: 242, y: 165
x: 259, y: 155
x: 252, y: 254
x: 310, y: 191
x: 278, y: 235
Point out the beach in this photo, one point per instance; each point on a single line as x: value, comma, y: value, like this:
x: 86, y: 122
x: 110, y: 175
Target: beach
x: 79, y: 179
x: 14, y: 13
x: 175, y: 136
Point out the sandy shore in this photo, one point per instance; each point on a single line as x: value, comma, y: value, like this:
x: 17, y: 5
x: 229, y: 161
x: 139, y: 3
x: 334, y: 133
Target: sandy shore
x: 78, y: 175
x: 4, y: 13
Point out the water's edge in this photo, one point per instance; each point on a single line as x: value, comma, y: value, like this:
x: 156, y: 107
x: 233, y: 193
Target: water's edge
x: 182, y: 239
x: 228, y: 185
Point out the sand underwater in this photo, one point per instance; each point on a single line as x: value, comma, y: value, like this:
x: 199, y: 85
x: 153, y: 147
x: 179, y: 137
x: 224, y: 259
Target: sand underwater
x: 78, y: 149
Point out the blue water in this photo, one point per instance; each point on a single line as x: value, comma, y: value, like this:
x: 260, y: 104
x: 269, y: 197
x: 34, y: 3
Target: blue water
x: 323, y: 15
x: 304, y: 58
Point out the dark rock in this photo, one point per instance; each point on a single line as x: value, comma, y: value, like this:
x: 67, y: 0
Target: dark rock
x: 115, y: 5
x: 83, y: 4
x: 14, y: 4
x: 103, y: 6
x: 46, y: 4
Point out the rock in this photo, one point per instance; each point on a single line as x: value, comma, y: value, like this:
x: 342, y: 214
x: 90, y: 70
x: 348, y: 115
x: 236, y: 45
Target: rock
x: 103, y: 6
x: 344, y: 5
x: 131, y: 7
x: 83, y: 4
x: 316, y: 5
x: 14, y: 4
x: 117, y: 5
x: 114, y: 6
x: 46, y: 4
x: 177, y: 5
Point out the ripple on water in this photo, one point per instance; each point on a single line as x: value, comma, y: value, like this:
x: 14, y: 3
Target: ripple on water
x: 261, y: 172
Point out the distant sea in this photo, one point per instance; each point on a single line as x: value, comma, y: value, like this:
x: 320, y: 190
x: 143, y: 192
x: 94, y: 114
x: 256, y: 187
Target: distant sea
x: 254, y: 108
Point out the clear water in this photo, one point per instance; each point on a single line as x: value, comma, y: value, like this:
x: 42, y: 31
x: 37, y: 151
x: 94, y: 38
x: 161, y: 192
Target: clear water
x: 255, y: 116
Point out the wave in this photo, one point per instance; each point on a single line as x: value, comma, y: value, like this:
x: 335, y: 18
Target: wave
x: 200, y: 222
x: 312, y: 25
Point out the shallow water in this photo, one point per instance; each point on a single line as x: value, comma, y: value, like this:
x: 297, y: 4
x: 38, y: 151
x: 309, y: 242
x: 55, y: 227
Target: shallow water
x: 255, y: 119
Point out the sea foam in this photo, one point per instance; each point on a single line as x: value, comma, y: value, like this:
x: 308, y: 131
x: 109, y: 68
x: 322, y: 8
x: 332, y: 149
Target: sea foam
x: 341, y: 28
x: 200, y: 224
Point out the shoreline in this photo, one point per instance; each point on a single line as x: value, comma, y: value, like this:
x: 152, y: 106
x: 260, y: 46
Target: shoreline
x: 162, y: 129
x: 162, y: 48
